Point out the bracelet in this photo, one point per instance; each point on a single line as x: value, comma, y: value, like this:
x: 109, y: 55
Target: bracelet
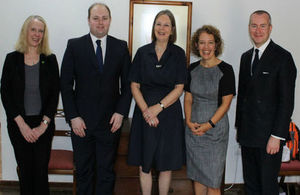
x: 211, y: 123
x: 161, y: 105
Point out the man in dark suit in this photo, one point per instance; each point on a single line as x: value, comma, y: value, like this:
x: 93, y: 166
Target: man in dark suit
x: 264, y: 106
x: 94, y: 102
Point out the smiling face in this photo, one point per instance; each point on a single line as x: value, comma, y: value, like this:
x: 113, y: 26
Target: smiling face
x: 259, y: 28
x: 35, y: 33
x: 163, y: 28
x: 99, y: 21
x: 206, y: 46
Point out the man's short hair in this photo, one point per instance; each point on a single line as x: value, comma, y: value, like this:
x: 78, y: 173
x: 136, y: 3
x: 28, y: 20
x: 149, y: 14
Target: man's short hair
x: 260, y: 12
x: 94, y: 4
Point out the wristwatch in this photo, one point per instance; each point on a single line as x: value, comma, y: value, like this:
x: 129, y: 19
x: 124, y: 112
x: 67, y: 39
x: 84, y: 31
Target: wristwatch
x: 161, y: 105
x: 45, y: 122
x: 211, y: 124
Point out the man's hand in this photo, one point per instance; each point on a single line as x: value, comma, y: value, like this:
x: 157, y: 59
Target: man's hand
x: 116, y: 122
x: 78, y: 126
x: 273, y: 145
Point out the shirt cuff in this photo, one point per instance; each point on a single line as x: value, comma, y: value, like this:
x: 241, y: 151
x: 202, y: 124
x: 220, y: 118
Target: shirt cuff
x: 281, y: 138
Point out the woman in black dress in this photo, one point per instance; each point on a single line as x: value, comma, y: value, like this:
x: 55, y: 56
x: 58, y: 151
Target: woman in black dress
x: 29, y: 92
x: 157, y: 79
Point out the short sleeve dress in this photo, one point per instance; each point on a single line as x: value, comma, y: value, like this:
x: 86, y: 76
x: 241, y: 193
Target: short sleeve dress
x: 206, y: 154
x: 163, y: 147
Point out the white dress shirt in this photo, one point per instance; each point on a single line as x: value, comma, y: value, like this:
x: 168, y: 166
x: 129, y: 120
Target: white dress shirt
x: 103, y: 45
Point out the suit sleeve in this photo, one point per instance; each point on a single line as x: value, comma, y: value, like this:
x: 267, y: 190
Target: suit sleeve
x: 240, y: 95
x: 286, y: 91
x: 67, y: 84
x: 53, y: 91
x: 8, y: 72
x: 124, y: 102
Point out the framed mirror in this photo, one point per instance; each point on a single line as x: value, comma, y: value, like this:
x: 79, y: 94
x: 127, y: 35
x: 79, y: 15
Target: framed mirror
x: 142, y: 14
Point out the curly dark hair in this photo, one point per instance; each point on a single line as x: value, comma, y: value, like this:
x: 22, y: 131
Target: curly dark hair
x: 209, y: 29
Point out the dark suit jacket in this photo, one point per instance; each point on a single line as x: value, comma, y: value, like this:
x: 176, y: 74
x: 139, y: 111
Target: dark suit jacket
x: 95, y: 96
x: 265, y: 100
x: 13, y: 85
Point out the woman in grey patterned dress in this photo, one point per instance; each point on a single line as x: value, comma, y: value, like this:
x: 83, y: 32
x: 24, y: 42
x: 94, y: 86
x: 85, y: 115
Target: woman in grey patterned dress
x: 209, y: 91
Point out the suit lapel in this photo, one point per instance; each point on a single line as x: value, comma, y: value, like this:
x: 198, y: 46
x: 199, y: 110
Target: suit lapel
x: 107, y: 53
x: 42, y: 72
x: 264, y: 59
x: 91, y: 51
x: 248, y: 59
x: 21, y: 69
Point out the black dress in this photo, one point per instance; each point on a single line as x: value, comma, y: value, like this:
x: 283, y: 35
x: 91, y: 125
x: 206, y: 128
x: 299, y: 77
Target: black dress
x: 160, y: 147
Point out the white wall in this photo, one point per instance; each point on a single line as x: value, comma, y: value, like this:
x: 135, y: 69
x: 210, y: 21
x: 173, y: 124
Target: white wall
x: 68, y: 18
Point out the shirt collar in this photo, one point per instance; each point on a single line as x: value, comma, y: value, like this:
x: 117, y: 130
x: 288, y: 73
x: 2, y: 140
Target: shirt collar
x: 94, y: 39
x: 263, y: 47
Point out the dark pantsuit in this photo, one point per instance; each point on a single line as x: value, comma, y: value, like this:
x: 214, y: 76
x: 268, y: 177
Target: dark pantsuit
x: 95, y: 151
x: 260, y: 171
x: 32, y: 158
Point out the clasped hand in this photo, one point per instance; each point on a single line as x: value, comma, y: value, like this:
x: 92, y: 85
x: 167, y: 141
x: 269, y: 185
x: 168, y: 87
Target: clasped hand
x: 199, y: 128
x: 32, y: 135
x: 150, y: 115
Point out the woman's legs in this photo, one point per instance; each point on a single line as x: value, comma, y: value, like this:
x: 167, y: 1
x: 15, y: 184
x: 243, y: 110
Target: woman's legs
x: 41, y: 158
x: 164, y: 181
x: 199, y: 188
x: 146, y: 182
x: 213, y: 191
x: 32, y: 158
x: 23, y: 154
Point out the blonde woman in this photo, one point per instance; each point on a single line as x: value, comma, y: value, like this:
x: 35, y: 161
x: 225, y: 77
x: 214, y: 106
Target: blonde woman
x: 29, y: 92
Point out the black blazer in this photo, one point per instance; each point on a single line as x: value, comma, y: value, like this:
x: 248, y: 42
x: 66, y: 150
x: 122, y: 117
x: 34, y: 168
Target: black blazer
x: 13, y: 85
x: 86, y: 92
x: 265, y: 100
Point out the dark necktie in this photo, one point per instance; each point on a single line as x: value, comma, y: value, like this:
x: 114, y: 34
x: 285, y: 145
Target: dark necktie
x: 99, y: 55
x: 255, y: 61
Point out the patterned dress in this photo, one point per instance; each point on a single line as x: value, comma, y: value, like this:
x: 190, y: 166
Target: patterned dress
x: 206, y: 154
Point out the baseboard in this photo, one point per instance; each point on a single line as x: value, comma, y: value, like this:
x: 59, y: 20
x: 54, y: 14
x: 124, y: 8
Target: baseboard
x: 8, y: 183
x: 235, y: 184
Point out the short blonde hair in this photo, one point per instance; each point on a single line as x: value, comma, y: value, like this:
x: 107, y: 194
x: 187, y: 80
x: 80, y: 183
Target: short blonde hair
x: 209, y: 29
x: 22, y: 45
